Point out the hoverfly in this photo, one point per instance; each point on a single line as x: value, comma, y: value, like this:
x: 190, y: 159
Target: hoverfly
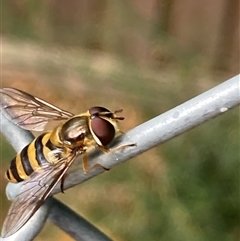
x: 43, y: 163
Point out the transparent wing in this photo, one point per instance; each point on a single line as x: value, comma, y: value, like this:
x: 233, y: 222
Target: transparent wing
x: 33, y: 193
x: 27, y: 111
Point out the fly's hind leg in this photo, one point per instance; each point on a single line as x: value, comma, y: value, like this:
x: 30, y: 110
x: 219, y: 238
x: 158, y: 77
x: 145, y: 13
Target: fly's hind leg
x: 62, y: 184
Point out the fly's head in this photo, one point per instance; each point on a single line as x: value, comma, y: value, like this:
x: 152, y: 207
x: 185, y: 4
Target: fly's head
x: 103, y: 124
x: 97, y: 126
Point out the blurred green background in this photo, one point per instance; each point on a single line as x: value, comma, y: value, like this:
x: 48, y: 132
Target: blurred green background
x: 145, y: 57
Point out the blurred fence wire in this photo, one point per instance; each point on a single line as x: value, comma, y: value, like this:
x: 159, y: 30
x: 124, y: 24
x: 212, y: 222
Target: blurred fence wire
x: 176, y: 121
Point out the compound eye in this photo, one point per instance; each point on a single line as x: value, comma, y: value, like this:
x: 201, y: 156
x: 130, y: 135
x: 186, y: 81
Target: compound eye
x: 103, y: 130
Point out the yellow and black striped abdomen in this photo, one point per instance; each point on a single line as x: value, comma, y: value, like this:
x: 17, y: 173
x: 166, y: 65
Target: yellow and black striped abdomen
x: 31, y: 158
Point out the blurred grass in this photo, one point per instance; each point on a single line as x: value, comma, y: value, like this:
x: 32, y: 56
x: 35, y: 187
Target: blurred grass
x: 186, y: 189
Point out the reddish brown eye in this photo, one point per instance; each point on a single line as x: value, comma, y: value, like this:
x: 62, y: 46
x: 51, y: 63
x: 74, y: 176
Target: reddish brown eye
x: 102, y: 128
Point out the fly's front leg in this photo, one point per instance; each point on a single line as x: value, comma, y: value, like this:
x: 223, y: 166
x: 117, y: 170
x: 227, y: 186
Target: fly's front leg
x: 123, y: 147
x: 106, y: 150
x: 85, y: 165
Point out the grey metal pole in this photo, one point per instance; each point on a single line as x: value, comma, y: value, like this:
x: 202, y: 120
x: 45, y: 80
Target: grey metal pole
x: 174, y: 122
x: 204, y: 107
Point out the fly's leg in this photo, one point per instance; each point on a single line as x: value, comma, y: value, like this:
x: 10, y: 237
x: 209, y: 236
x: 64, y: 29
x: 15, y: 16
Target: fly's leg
x: 85, y: 165
x: 62, y: 184
x: 106, y: 150
x: 123, y: 147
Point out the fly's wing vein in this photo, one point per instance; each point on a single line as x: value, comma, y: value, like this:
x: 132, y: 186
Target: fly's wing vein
x: 33, y: 193
x: 27, y: 111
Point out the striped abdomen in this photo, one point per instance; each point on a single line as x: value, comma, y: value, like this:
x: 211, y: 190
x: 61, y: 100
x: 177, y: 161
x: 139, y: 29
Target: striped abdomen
x: 31, y: 158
